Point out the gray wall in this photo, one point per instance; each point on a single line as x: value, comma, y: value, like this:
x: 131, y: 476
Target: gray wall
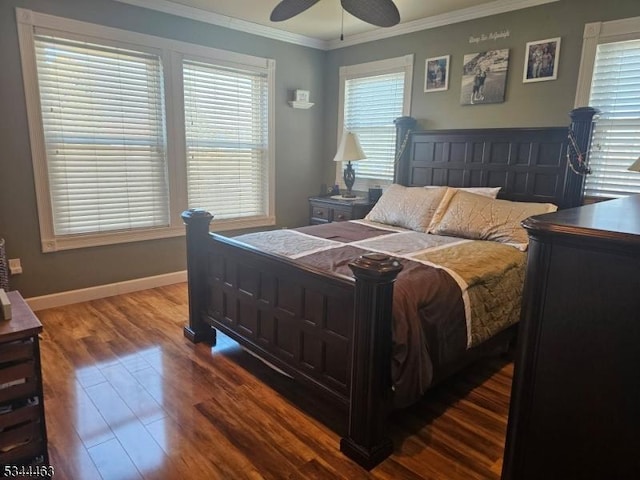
x: 305, y: 139
x: 298, y: 147
x: 526, y: 104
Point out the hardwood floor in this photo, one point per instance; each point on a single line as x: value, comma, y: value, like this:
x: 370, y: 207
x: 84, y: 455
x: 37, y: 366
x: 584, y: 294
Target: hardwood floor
x: 128, y: 397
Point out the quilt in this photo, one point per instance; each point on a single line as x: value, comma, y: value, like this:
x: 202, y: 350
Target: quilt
x: 452, y: 293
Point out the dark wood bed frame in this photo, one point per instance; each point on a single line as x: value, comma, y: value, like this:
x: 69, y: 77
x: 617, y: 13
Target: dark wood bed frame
x: 335, y: 334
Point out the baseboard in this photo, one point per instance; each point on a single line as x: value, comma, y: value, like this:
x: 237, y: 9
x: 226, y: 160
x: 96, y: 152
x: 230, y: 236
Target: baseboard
x: 102, y: 291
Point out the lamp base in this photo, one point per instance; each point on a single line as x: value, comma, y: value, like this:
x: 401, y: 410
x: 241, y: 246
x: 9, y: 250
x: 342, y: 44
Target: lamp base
x: 349, y: 177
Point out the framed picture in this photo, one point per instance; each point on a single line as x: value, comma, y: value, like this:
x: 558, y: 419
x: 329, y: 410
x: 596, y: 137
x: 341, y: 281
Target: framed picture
x: 436, y: 74
x: 541, y: 60
x: 484, y: 77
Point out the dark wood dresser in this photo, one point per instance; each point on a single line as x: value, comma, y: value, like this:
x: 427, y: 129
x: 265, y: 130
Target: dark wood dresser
x: 575, y: 404
x: 23, y: 433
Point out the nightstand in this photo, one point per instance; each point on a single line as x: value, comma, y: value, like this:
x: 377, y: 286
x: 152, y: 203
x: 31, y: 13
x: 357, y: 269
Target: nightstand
x: 329, y: 209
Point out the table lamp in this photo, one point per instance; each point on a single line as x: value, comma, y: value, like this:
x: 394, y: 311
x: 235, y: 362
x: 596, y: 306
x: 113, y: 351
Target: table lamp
x: 349, y: 151
x: 635, y: 166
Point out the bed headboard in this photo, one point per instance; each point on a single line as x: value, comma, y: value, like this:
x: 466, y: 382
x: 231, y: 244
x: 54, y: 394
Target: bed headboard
x: 530, y: 164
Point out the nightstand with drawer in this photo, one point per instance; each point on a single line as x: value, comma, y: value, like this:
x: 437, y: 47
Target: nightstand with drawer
x: 330, y: 209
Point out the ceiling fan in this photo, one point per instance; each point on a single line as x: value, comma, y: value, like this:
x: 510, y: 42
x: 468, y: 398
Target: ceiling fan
x: 382, y: 13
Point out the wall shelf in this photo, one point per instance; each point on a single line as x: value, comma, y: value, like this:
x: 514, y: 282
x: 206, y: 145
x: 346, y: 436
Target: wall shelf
x: 304, y: 105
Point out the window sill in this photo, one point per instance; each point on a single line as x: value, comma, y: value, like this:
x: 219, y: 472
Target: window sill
x: 71, y: 242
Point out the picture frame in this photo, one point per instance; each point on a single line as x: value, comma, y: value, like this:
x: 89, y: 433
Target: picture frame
x: 541, y: 60
x: 484, y: 77
x: 436, y: 73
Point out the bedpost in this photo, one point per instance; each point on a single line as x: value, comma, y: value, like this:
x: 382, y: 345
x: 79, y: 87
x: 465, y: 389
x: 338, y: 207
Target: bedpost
x: 197, y: 225
x: 404, y: 125
x: 581, y: 126
x: 367, y: 441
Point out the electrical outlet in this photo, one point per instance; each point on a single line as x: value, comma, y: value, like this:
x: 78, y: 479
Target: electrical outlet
x: 15, y: 267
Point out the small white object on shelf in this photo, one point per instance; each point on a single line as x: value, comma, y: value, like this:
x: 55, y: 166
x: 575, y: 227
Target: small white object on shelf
x: 302, y: 96
x: 5, y: 312
x: 301, y: 99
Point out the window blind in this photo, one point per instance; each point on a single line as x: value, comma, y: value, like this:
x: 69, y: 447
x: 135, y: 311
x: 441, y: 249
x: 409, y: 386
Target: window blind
x: 103, y: 118
x: 226, y: 122
x: 371, y: 104
x: 615, y: 91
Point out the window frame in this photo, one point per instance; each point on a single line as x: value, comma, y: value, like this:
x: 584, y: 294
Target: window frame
x: 370, y: 69
x: 171, y: 53
x: 597, y: 33
x: 594, y: 34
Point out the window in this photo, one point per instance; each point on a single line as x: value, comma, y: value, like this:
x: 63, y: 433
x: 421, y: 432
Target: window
x: 610, y: 81
x: 103, y: 119
x: 226, y: 130
x: 372, y: 96
x: 128, y: 130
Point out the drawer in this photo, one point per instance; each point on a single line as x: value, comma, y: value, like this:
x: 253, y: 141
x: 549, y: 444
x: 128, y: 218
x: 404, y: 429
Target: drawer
x: 18, y: 350
x: 320, y: 212
x: 17, y: 381
x: 342, y: 214
x: 26, y: 413
x: 27, y: 443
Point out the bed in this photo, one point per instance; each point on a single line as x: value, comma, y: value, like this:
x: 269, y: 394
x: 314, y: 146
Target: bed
x: 331, y: 327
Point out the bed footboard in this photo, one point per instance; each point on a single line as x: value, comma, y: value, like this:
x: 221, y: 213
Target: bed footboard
x: 330, y: 333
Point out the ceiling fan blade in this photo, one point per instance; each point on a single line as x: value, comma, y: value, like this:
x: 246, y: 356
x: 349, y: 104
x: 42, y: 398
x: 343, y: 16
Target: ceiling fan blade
x: 290, y: 8
x: 382, y: 13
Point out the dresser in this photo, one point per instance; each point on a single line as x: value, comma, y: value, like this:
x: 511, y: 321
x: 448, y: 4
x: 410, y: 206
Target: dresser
x: 329, y: 209
x: 575, y: 403
x: 23, y: 433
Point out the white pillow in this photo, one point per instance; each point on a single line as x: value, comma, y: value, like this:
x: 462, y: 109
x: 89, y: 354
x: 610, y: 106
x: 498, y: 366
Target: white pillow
x: 407, y: 207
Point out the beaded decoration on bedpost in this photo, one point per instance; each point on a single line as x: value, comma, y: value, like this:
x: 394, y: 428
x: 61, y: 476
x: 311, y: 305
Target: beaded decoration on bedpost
x: 367, y: 441
x: 197, y: 224
x: 404, y: 126
x: 579, y: 136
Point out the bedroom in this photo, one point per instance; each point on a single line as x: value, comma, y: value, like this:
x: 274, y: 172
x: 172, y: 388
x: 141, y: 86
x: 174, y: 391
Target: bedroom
x: 304, y: 139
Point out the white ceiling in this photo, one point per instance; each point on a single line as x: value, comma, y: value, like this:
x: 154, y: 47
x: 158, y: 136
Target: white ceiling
x: 320, y: 25
x: 322, y: 21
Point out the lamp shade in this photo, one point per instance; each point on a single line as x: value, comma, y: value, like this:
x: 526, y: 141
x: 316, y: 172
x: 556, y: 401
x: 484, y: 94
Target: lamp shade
x: 349, y: 148
x: 635, y: 166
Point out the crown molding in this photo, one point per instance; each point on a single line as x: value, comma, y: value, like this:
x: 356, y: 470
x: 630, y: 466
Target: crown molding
x: 200, y: 15
x: 463, y: 15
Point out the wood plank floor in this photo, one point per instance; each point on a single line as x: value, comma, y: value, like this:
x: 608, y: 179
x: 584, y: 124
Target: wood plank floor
x: 128, y: 397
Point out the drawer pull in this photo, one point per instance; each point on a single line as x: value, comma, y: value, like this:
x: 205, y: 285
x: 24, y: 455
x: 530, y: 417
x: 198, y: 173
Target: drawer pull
x: 340, y: 216
x: 319, y: 213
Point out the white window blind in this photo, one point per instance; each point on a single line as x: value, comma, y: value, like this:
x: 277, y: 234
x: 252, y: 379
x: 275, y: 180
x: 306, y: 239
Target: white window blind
x: 371, y: 104
x: 615, y: 91
x: 103, y: 118
x: 226, y: 123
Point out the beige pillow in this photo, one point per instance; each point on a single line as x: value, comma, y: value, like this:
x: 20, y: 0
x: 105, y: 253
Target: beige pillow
x: 467, y: 215
x: 491, y: 192
x: 407, y: 207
